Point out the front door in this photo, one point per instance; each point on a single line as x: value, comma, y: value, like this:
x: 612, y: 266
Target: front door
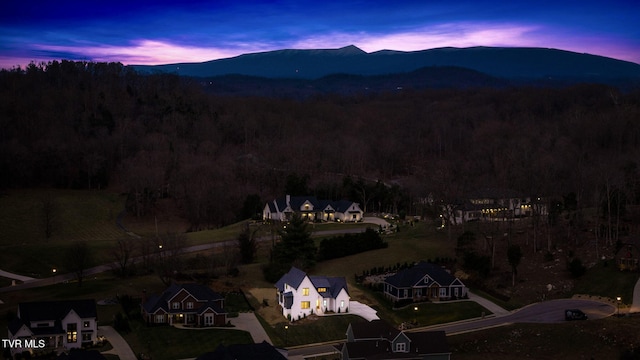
x: 208, y: 319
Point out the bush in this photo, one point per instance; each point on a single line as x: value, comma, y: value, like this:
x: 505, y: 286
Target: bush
x: 576, y: 268
x: 349, y: 244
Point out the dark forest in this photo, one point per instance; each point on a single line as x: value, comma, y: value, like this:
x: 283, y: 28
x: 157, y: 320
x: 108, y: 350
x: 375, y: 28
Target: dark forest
x: 100, y: 125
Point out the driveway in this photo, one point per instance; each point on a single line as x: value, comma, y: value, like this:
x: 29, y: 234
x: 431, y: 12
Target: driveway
x: 249, y: 322
x: 362, y: 310
x: 120, y: 347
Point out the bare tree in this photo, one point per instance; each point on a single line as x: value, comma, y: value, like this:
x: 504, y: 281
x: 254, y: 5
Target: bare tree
x: 122, y: 253
x: 169, y: 261
x: 50, y: 213
x: 78, y: 258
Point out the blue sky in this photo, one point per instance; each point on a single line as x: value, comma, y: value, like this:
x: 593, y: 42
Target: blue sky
x: 160, y: 32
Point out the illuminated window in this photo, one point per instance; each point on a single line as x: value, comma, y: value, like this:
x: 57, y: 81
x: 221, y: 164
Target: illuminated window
x: 322, y: 289
x: 305, y: 291
x: 305, y: 304
x: 72, y: 333
x: 342, y: 303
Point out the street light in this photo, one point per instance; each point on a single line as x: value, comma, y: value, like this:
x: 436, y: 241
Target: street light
x: 54, y: 271
x: 286, y: 327
x: 619, y: 299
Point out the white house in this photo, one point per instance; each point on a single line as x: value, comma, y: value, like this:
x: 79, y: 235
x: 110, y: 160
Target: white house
x: 493, y: 204
x: 310, y: 208
x: 50, y: 325
x: 301, y: 295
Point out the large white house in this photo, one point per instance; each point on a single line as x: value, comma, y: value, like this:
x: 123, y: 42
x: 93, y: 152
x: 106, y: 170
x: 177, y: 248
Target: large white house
x: 52, y: 325
x: 301, y: 295
x: 310, y: 208
x: 493, y: 204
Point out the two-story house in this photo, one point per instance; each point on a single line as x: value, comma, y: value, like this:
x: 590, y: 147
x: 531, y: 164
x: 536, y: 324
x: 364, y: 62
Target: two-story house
x: 54, y: 324
x: 301, y: 295
x: 493, y: 204
x: 423, y: 282
x: 312, y: 209
x: 186, y: 304
x: 378, y: 340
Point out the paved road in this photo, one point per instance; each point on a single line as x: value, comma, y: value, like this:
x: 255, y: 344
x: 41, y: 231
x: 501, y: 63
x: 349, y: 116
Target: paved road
x: 544, y: 312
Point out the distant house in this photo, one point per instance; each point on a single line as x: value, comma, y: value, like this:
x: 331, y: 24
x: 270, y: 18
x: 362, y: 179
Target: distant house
x: 378, y: 340
x: 186, y: 304
x: 493, y: 204
x: 301, y: 295
x: 312, y: 209
x: 628, y: 257
x: 58, y: 324
x: 423, y: 282
x: 262, y: 351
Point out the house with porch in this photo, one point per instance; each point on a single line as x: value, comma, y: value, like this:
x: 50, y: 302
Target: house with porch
x: 423, y: 282
x: 493, y: 204
x: 185, y: 304
x: 300, y: 295
x: 312, y: 209
x: 54, y: 325
x: 628, y: 257
x: 379, y: 340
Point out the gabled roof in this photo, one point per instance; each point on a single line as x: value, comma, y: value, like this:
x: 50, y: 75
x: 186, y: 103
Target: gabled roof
x: 410, y: 277
x: 342, y: 205
x: 200, y: 292
x: 333, y: 284
x: 375, y: 329
x: 56, y: 310
x: 420, y: 344
x: 263, y: 351
x: 293, y: 278
x: 296, y: 202
x: 48, y: 311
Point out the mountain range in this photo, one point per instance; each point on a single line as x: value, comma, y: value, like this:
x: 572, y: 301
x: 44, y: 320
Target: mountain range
x: 506, y: 63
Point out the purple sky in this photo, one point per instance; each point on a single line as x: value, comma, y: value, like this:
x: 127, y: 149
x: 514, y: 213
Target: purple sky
x: 160, y: 31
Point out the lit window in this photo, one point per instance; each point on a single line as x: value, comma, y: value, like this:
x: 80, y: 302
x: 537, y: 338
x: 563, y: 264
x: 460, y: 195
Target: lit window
x: 305, y: 304
x: 322, y: 289
x: 342, y: 303
x: 72, y: 333
x: 305, y: 291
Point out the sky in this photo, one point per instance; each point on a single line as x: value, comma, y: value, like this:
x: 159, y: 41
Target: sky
x: 154, y: 32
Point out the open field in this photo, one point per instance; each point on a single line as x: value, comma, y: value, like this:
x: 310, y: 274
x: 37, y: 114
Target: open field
x: 77, y: 215
x: 610, y: 338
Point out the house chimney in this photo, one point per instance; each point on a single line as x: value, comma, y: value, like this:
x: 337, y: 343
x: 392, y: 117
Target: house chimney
x: 144, y: 296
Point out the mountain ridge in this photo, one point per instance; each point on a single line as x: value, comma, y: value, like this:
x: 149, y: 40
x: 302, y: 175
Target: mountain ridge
x: 504, y: 62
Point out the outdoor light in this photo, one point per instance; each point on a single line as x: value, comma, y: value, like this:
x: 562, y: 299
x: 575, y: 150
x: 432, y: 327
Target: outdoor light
x: 619, y: 299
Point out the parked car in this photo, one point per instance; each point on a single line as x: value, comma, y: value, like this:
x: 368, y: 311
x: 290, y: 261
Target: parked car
x: 575, y: 314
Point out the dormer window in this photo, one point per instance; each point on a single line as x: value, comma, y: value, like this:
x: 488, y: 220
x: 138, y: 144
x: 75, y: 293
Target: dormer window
x: 401, y: 347
x: 322, y: 289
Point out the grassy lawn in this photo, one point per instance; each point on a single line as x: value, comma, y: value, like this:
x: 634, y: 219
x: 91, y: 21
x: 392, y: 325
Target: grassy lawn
x: 77, y: 215
x: 607, y: 281
x: 169, y: 343
x: 602, y: 339
x: 313, y: 329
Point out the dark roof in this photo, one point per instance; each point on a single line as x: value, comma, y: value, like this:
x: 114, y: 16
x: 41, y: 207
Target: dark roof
x: 200, y: 292
x: 46, y: 311
x: 409, y: 277
x: 375, y: 329
x: 293, y: 278
x: 495, y: 193
x: 81, y: 354
x: 421, y: 343
x: 296, y: 202
x: 56, y: 310
x: 263, y: 351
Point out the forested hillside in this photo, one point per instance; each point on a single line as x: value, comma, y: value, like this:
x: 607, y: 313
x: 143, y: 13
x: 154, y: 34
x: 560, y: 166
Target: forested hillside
x: 97, y: 125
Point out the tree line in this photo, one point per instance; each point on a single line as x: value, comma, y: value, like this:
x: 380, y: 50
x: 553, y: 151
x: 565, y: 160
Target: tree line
x: 97, y: 125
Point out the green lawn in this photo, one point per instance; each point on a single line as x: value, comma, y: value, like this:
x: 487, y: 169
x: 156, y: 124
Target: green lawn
x: 78, y: 215
x: 607, y: 281
x: 169, y: 343
x: 315, y: 329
